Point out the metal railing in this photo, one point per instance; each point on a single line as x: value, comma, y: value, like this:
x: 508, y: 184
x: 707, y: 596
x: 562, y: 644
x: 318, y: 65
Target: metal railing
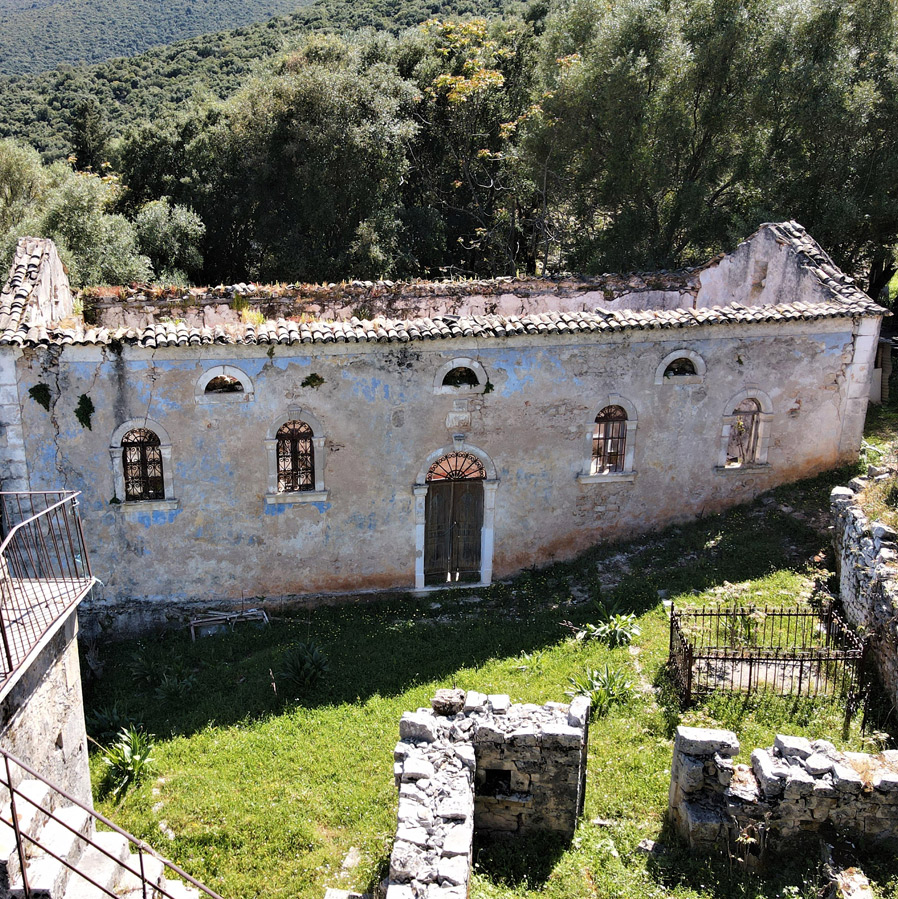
x: 44, y: 569
x: 26, y: 843
x: 790, y: 652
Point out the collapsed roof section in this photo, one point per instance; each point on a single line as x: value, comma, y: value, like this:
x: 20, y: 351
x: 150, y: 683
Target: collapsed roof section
x: 779, y: 274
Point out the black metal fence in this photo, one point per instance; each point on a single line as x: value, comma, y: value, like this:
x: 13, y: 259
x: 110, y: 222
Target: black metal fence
x: 44, y: 569
x: 790, y: 652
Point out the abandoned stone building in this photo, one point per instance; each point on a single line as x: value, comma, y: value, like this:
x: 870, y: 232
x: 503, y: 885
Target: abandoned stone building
x: 311, y: 439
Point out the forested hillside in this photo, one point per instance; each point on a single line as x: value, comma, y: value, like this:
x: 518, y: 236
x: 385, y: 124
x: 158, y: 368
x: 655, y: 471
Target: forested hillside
x: 41, y: 108
x: 38, y: 36
x: 581, y: 135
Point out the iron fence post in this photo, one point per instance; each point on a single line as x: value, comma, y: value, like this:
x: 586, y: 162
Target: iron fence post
x: 20, y: 845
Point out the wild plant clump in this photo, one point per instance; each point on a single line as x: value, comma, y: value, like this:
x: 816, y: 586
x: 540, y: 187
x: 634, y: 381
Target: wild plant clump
x: 128, y: 760
x: 302, y: 668
x: 615, y: 627
x: 604, y: 686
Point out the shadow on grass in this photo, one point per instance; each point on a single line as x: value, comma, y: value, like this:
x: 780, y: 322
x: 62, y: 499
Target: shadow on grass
x: 523, y: 862
x: 678, y: 868
x: 384, y: 648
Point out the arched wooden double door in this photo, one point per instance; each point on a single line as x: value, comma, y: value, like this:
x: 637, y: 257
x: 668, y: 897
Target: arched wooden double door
x: 453, y: 519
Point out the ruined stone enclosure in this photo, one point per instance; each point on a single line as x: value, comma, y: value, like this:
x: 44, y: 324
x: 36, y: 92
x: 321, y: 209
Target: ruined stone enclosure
x: 480, y: 766
x: 247, y: 441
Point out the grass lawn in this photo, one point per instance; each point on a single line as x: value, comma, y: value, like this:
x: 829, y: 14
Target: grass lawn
x: 257, y: 793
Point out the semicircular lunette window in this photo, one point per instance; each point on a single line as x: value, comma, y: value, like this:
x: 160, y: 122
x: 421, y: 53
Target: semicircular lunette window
x: 680, y: 368
x: 456, y: 467
x: 224, y: 384
x: 462, y: 376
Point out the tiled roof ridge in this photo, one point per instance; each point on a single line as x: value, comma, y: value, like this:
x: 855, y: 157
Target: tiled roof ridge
x: 381, y: 330
x: 24, y: 275
x: 812, y: 256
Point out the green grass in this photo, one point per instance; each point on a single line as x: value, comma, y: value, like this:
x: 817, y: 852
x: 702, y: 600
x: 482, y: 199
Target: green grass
x: 263, y: 794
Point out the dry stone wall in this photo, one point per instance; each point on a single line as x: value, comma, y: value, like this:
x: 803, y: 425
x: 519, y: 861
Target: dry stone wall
x: 866, y: 556
x: 479, y: 763
x: 789, y: 792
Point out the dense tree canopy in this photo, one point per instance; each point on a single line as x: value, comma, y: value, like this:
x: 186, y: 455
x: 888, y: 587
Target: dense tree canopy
x: 585, y: 134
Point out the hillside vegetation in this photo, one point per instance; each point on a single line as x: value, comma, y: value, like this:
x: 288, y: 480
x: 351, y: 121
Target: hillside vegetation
x: 577, y: 136
x: 39, y: 108
x: 39, y: 36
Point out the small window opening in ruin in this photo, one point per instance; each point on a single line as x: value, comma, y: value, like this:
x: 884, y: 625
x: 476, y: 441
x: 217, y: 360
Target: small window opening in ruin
x: 460, y: 377
x: 680, y: 368
x: 609, y: 440
x: 142, y: 465
x: 496, y: 783
x: 224, y: 384
x: 742, y: 448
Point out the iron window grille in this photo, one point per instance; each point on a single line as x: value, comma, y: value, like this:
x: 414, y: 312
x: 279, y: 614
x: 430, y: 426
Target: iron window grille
x: 142, y: 465
x: 296, y: 461
x: 456, y: 467
x: 609, y: 440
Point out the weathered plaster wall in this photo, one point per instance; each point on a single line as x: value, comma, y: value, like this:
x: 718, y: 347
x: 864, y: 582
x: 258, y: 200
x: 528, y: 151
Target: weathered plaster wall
x: 42, y: 715
x: 867, y: 563
x: 381, y: 420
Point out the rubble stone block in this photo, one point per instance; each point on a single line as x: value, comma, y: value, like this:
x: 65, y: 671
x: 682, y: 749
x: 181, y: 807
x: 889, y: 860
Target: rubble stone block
x: 706, y: 741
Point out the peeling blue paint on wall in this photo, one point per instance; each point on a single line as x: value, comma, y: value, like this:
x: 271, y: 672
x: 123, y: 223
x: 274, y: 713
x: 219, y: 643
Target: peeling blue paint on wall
x: 157, y: 517
x: 322, y: 507
x: 371, y: 390
x: 275, y: 509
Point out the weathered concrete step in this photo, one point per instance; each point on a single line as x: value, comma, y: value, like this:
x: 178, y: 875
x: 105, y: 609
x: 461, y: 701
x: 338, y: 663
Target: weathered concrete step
x: 65, y: 838
x: 99, y: 867
x: 177, y: 889
x: 130, y: 881
x: 31, y: 814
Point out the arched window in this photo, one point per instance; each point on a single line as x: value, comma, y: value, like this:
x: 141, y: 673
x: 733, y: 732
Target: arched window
x: 462, y: 376
x: 456, y: 467
x: 679, y: 368
x: 295, y: 446
x: 224, y: 384
x: 141, y: 455
x: 295, y: 457
x: 142, y: 465
x: 745, y: 431
x: 743, y: 444
x: 609, y: 441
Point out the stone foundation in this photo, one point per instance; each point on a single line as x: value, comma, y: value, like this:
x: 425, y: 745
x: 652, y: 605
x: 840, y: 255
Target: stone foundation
x: 866, y: 556
x: 477, y: 763
x: 42, y: 715
x: 795, y: 790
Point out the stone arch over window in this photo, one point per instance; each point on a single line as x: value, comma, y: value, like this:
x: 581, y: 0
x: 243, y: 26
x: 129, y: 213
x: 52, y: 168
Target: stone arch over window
x: 295, y: 448
x: 609, y: 447
x: 459, y: 461
x: 681, y: 367
x: 745, y: 432
x: 141, y: 455
x: 461, y: 375
x: 223, y: 384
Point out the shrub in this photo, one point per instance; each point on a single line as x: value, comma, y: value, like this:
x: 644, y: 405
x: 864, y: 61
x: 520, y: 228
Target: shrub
x: 615, y: 628
x: 174, y: 686
x: 105, y: 722
x: 128, y: 760
x: 302, y: 667
x: 604, y: 686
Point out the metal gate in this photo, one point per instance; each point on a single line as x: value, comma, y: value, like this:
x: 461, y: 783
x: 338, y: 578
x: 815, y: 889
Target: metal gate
x: 453, y: 515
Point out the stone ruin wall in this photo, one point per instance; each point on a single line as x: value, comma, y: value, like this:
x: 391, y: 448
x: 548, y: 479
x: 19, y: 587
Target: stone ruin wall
x: 478, y: 764
x: 866, y: 555
x: 794, y: 790
x: 202, y: 307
